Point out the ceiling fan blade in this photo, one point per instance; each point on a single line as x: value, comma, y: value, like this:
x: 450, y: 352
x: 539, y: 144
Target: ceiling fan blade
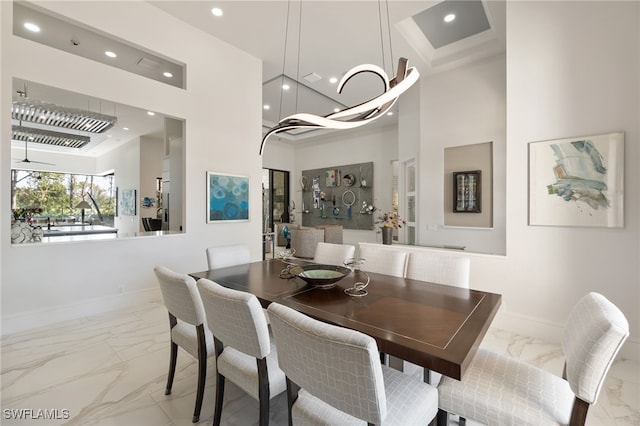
x: 26, y: 160
x: 26, y: 156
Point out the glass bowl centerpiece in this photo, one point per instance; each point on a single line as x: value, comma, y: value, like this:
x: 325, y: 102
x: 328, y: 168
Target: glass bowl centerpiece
x: 321, y: 276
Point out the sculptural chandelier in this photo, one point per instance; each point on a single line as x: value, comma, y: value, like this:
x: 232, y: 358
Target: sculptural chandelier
x: 358, y: 115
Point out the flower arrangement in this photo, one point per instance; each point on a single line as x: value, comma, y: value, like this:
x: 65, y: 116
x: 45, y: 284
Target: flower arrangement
x: 25, y: 213
x: 391, y: 220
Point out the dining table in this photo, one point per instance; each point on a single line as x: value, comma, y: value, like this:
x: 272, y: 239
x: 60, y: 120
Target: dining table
x: 435, y: 326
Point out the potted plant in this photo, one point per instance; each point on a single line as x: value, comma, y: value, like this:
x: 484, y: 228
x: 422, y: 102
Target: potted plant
x: 389, y: 221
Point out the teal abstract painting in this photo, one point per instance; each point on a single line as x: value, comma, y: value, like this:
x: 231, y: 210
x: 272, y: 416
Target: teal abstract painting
x: 577, y: 181
x: 227, y: 198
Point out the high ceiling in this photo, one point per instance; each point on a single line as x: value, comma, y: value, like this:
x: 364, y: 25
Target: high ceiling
x: 308, y: 42
x: 327, y: 38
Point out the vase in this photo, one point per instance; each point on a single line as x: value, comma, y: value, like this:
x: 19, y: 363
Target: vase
x: 387, y: 235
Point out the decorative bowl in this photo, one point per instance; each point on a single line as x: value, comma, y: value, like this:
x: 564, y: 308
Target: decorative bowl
x: 321, y: 276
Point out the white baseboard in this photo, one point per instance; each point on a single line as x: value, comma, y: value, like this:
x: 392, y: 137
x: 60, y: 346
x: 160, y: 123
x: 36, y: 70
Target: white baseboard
x: 551, y: 332
x: 44, y: 317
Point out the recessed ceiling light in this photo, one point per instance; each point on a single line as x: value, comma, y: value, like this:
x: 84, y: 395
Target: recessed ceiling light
x: 390, y: 113
x: 266, y: 107
x: 216, y: 11
x: 32, y: 27
x: 333, y: 80
x: 336, y: 110
x: 151, y: 113
x: 285, y: 87
x: 125, y: 128
x: 450, y: 17
x: 167, y: 74
x: 110, y: 54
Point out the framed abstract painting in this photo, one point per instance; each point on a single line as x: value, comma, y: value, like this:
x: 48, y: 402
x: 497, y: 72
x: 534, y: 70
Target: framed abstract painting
x: 577, y: 181
x: 128, y: 202
x: 227, y: 198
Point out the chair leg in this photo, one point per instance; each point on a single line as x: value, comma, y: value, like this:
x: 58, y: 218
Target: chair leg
x: 426, y: 376
x: 462, y: 421
x: 172, y: 368
x: 202, y: 372
x: 443, y: 418
x: 383, y: 358
x: 263, y: 391
x: 172, y: 357
x: 217, y: 416
x: 292, y: 396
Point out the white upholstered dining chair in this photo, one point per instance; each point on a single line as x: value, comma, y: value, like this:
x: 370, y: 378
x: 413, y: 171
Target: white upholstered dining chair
x: 304, y: 241
x: 334, y: 376
x: 333, y: 254
x: 187, y: 325
x: 382, y: 260
x: 244, y: 350
x: 230, y: 255
x: 439, y: 268
x: 498, y: 390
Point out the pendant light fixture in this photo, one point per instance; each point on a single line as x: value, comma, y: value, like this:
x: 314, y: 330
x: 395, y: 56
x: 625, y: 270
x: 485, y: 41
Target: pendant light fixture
x: 358, y: 115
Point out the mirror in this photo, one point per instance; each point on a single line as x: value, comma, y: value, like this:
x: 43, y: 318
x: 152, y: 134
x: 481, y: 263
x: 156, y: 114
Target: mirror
x: 88, y: 168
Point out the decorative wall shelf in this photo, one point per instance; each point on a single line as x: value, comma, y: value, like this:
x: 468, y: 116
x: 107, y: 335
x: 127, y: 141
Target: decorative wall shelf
x: 344, y: 188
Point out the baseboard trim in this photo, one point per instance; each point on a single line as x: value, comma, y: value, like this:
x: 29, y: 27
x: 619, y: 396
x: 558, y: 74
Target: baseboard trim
x: 551, y: 332
x: 43, y: 317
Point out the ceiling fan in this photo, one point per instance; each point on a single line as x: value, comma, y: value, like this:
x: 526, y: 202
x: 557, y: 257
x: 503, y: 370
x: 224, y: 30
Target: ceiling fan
x: 26, y: 158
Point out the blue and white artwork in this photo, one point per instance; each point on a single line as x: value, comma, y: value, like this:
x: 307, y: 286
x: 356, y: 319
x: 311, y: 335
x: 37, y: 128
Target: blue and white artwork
x: 227, y: 198
x: 577, y: 181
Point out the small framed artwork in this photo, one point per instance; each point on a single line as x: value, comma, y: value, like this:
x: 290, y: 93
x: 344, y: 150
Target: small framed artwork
x: 577, y: 181
x: 227, y: 198
x: 466, y: 191
x: 128, y: 202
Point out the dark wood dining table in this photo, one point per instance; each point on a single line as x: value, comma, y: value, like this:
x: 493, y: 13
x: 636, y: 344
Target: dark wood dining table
x: 435, y: 326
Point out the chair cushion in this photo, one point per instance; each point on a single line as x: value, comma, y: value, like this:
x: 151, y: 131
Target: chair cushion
x: 409, y: 402
x: 499, y: 390
x: 186, y: 336
x: 305, y: 240
x: 380, y: 260
x: 242, y: 370
x: 439, y: 268
x: 333, y: 254
x: 593, y: 335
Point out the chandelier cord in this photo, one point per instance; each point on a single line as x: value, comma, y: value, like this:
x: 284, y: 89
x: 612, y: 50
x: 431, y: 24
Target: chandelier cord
x: 284, y: 58
x: 298, y: 64
x: 393, y: 72
x: 384, y: 66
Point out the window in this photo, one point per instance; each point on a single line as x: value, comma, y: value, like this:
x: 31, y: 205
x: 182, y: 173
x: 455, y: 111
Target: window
x: 41, y: 197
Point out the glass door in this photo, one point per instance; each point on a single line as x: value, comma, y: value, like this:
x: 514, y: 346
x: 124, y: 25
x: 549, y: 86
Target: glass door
x: 275, y: 205
x: 411, y: 201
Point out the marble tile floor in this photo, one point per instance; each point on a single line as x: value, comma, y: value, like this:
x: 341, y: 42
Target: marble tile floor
x: 110, y: 369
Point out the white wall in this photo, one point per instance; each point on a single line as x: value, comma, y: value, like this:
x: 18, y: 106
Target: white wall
x: 151, y: 157
x: 569, y: 81
x: 125, y: 163
x: 222, y: 109
x: 465, y: 106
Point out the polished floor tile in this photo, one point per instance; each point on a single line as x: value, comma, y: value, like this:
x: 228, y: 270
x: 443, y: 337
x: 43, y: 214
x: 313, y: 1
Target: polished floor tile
x: 111, y: 369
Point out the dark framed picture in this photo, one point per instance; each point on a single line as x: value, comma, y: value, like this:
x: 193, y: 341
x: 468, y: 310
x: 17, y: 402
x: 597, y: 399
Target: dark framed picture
x: 466, y: 191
